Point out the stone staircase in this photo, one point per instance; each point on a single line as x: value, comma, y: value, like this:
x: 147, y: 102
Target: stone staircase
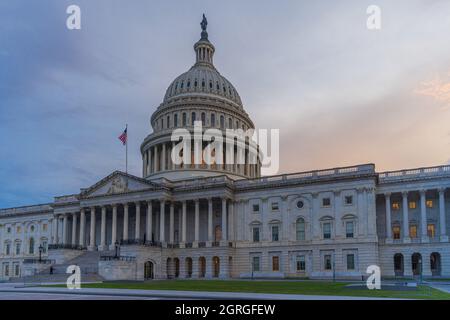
x: 87, y: 261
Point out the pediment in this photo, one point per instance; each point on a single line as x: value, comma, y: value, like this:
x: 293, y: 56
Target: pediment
x: 118, y: 183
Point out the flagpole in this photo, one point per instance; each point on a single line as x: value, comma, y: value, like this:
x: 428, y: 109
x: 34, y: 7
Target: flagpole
x: 126, y: 150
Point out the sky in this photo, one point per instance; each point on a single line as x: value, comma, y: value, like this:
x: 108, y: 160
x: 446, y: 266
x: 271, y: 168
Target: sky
x: 340, y: 94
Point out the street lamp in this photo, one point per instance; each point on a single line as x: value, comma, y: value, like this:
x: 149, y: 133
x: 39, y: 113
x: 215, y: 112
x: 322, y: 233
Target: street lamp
x: 117, y: 249
x: 41, y: 249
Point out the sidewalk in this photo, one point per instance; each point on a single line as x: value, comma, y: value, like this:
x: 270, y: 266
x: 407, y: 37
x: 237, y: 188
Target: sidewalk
x: 171, y: 294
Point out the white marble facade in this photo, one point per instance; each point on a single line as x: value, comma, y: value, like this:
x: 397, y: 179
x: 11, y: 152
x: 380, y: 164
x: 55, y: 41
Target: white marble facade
x: 226, y: 221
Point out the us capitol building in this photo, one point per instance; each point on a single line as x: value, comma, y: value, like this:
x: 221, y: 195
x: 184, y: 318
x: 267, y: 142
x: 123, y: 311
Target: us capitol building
x: 226, y: 221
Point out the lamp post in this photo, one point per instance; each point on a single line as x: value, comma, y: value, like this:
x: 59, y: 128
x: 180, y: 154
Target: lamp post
x: 41, y: 249
x: 117, y: 249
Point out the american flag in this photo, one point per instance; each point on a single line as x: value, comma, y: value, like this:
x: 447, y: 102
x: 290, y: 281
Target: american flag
x: 123, y: 137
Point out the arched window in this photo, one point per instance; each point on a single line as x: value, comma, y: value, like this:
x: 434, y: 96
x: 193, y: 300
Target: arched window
x: 222, y: 122
x: 175, y: 120
x: 192, y: 118
x: 213, y: 120
x: 203, y: 119
x: 31, y: 249
x: 18, y: 245
x: 168, y: 121
x: 300, y: 229
x: 184, y: 119
x: 230, y: 123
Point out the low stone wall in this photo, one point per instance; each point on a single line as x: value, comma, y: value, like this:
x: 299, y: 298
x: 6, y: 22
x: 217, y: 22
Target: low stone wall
x: 117, y: 270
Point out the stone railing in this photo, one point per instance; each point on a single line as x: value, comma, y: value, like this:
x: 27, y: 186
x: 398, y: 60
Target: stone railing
x: 65, y: 199
x: 140, y: 242
x: 37, y: 261
x: 26, y: 210
x: 412, y: 174
x: 65, y: 247
x: 118, y: 258
x: 309, y: 175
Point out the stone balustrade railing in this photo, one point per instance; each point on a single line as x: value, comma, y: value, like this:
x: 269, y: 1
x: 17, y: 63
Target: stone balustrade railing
x: 310, y: 175
x: 411, y: 174
x: 118, y: 258
x: 25, y: 210
x: 67, y: 198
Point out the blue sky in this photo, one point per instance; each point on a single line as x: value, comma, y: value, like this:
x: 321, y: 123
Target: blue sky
x: 340, y: 94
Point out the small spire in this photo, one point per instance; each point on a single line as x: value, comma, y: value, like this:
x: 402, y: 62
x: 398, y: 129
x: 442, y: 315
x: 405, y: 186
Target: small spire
x: 204, y: 25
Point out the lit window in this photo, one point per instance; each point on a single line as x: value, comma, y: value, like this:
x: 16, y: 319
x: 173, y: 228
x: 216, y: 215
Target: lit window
x: 18, y: 229
x: 431, y: 230
x: 256, y: 234
x: 275, y: 263
x: 44, y: 227
x: 348, y: 200
x: 413, y: 231
x: 326, y: 202
x: 396, y: 205
x: 275, y: 235
x: 349, y: 229
x: 256, y: 208
x: 396, y: 232
x: 429, y: 203
x: 300, y: 229
x: 275, y: 206
x: 326, y: 230
x: 350, y: 262
x: 327, y: 262
x: 255, y: 264
x: 412, y: 205
x: 301, y: 265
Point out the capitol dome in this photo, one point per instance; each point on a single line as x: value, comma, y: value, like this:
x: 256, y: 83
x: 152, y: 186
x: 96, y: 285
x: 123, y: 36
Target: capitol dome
x: 200, y: 94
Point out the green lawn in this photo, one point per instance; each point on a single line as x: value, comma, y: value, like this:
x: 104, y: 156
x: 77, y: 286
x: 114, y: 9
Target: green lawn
x: 288, y: 287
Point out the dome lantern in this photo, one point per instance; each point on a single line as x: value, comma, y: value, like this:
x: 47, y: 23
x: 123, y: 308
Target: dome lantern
x: 203, y: 48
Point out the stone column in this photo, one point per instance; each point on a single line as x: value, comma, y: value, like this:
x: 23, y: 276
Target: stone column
x: 149, y: 226
x: 103, y: 230
x: 387, y: 197
x: 171, y: 222
x: 171, y: 160
x: 92, y: 235
x: 183, y: 222
x: 125, y: 221
x: 210, y: 220
x: 114, y: 227
x: 423, y: 217
x: 162, y: 237
x: 64, y: 236
x: 155, y: 159
x: 144, y: 165
x: 406, y: 237
x: 163, y: 160
x: 137, y: 229
x: 82, y: 226
x: 224, y: 220
x: 231, y: 221
x: 195, y: 267
x: 197, y: 221
x: 74, y: 229
x: 442, y: 221
x: 224, y: 271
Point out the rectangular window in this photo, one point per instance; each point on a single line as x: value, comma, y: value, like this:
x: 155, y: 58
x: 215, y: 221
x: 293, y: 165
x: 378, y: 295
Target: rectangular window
x: 429, y: 203
x: 348, y: 200
x: 301, y: 264
x: 350, y: 262
x: 396, y: 232
x: 395, y: 205
x: 17, y: 248
x: 44, y: 227
x: 349, y: 229
x: 274, y: 233
x: 8, y: 249
x: 431, y: 230
x: 275, y: 263
x: 16, y: 270
x: 255, y: 264
x: 18, y: 230
x: 327, y: 262
x: 326, y: 230
x: 326, y: 202
x: 6, y: 269
x: 412, y: 204
x: 275, y: 206
x: 256, y: 208
x: 44, y: 247
x: 413, y: 231
x: 255, y: 234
